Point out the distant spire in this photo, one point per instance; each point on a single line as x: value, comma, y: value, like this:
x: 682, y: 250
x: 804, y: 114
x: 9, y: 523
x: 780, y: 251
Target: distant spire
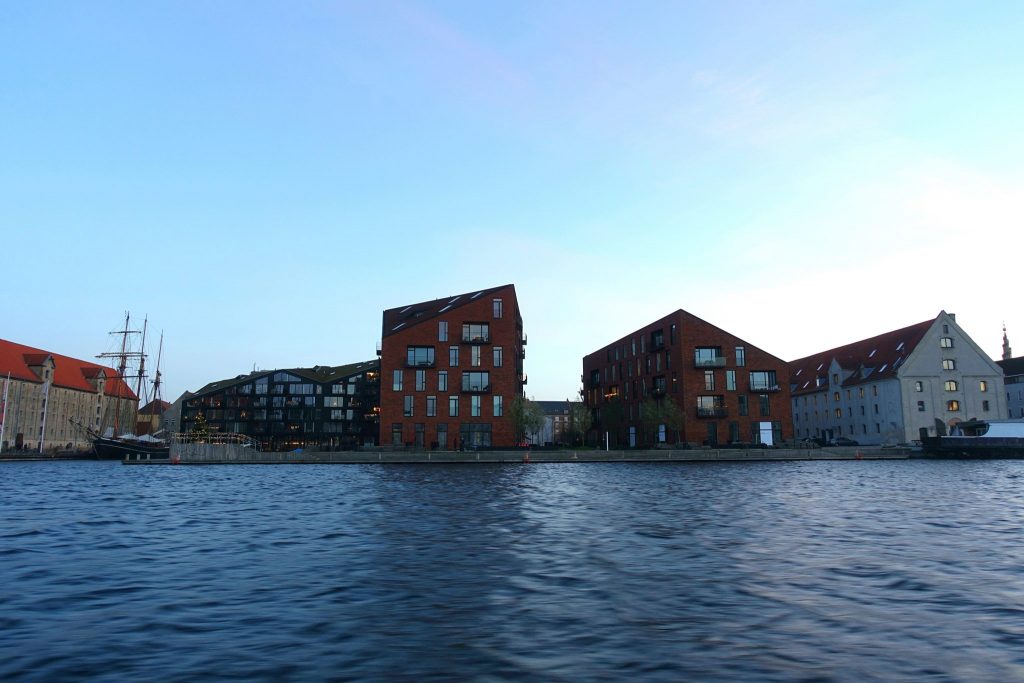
x: 1007, y: 353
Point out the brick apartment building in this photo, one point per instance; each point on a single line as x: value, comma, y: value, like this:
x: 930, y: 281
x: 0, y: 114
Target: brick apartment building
x: 450, y: 369
x: 726, y: 389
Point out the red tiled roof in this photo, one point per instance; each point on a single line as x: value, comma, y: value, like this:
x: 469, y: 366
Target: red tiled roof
x: 158, y: 407
x: 68, y: 372
x: 397, y: 318
x: 870, y: 359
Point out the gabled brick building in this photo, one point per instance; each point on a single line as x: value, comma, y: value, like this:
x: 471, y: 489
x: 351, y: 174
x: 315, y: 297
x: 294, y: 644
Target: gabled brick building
x: 726, y: 389
x: 450, y: 369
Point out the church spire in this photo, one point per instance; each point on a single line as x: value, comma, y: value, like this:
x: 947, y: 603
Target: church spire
x: 1007, y: 353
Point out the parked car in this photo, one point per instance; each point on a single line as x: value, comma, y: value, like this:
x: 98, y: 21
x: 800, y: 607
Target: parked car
x: 843, y: 441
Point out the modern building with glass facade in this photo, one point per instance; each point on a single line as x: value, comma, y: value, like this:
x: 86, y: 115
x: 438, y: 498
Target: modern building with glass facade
x: 896, y: 387
x: 326, y: 407
x: 725, y: 389
x: 451, y: 368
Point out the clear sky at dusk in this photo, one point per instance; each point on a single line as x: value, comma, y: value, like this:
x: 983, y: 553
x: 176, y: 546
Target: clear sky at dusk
x: 263, y: 179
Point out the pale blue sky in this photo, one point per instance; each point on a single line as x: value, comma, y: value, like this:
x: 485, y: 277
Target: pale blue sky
x: 263, y: 179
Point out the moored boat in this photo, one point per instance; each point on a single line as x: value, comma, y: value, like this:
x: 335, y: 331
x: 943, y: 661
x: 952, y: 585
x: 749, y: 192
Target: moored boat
x: 979, y: 439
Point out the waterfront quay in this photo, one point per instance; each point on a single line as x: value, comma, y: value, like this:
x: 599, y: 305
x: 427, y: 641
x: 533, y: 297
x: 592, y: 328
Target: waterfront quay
x: 230, y: 454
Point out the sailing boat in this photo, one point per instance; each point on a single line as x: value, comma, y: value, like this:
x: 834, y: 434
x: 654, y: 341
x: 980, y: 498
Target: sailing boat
x: 110, y: 445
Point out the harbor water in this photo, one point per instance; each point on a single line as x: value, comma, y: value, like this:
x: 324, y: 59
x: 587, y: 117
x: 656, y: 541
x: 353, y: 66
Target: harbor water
x: 782, y: 571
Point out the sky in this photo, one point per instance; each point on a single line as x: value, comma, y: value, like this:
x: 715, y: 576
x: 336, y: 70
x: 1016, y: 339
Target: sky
x: 263, y: 179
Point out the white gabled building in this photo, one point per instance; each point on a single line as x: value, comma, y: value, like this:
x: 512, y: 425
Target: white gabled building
x: 896, y: 387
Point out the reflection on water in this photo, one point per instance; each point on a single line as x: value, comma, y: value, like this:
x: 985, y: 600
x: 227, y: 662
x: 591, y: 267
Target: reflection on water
x: 906, y: 570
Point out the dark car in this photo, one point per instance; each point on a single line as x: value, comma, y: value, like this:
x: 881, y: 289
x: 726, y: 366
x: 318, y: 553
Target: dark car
x: 843, y: 441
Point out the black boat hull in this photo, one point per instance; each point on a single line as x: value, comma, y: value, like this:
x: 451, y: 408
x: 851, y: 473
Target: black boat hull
x: 118, y: 449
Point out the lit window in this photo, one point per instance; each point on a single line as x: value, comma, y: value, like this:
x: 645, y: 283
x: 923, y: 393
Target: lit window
x: 948, y: 364
x: 946, y: 342
x: 953, y: 406
x: 919, y: 386
x: 983, y: 386
x: 950, y: 385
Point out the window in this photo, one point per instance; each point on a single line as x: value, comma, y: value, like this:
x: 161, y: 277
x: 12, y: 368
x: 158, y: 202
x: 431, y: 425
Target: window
x: 874, y: 390
x: 730, y: 380
x: 839, y: 412
x: 453, y: 406
x: 474, y: 406
x: 876, y: 409
x: 396, y: 434
x: 946, y: 342
x: 761, y: 380
x: 442, y: 435
x: 709, y: 380
x: 835, y: 397
x: 950, y: 385
x: 984, y: 406
x: 672, y: 334
x: 952, y: 406
x: 442, y: 380
x: 983, y: 386
x: 497, y: 308
x: 419, y: 356
x: 396, y: 380
x: 742, y: 399
x: 442, y: 330
x: 710, y: 406
x: 741, y: 356
x: 453, y: 356
x: 497, y: 356
x: 431, y: 406
x: 920, y: 406
x: 476, y: 381
x: 499, y: 408
x: 408, y: 406
x: 948, y: 364
x: 421, y: 380
x: 766, y: 405
x: 474, y: 356
x: 918, y: 387
x: 708, y: 357
x: 835, y: 378
x: 945, y: 329
x: 479, y: 333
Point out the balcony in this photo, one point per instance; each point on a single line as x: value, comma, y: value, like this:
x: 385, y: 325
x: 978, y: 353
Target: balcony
x: 478, y: 389
x: 709, y: 362
x: 476, y: 339
x: 419, y: 363
x: 712, y: 412
x: 765, y: 388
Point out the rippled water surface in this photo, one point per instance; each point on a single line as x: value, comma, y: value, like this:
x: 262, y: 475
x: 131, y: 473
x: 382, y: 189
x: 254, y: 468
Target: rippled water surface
x: 813, y: 571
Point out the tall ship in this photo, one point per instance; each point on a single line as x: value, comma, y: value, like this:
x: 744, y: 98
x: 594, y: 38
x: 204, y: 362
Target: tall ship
x: 116, y: 438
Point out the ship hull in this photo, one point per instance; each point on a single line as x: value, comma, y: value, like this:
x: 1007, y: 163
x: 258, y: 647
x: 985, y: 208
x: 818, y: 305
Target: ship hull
x: 119, y: 449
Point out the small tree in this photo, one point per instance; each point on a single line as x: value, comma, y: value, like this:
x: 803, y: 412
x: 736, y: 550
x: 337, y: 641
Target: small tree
x: 200, y: 430
x: 672, y: 416
x: 580, y: 420
x: 650, y: 418
x: 527, y: 417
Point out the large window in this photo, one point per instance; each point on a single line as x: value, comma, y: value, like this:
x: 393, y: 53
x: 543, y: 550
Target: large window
x: 710, y: 406
x: 761, y: 380
x: 476, y: 332
x: 708, y: 357
x: 475, y: 435
x: 476, y: 381
x: 420, y: 356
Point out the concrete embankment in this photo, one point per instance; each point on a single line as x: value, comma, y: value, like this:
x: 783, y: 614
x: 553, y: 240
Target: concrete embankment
x: 209, y: 454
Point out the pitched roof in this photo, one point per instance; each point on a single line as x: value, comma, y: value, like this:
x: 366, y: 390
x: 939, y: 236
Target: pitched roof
x: 869, y: 360
x: 70, y: 373
x: 158, y: 407
x: 317, y: 373
x: 397, y: 318
x: 1012, y: 366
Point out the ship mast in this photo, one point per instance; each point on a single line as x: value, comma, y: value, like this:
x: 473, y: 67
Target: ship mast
x: 123, y: 355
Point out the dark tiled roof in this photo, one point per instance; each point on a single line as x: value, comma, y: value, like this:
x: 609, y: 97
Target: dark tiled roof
x: 395, y: 319
x: 318, y: 373
x: 870, y: 359
x: 1012, y: 366
x: 553, y: 407
x: 68, y: 372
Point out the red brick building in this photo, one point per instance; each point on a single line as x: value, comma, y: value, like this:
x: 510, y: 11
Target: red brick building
x: 450, y: 369
x: 726, y: 390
